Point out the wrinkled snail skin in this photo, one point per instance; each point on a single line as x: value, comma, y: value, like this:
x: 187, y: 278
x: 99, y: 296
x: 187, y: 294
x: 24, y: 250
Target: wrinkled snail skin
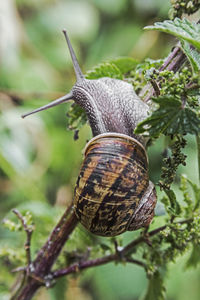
x: 111, y: 105
x: 113, y: 193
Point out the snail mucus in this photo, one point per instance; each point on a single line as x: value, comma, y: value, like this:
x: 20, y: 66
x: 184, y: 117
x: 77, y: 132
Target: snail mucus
x: 113, y: 192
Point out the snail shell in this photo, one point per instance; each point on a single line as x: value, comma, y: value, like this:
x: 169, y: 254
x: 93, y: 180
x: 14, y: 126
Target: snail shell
x: 113, y: 186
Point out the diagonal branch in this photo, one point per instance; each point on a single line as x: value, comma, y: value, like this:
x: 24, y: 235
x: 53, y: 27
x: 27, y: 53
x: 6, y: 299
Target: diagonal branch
x: 47, y: 255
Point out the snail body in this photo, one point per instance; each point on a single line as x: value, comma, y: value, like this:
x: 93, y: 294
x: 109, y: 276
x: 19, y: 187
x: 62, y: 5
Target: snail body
x: 113, y: 193
x: 111, y: 105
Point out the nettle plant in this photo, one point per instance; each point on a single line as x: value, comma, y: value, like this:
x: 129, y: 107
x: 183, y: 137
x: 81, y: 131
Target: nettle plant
x: 172, y: 89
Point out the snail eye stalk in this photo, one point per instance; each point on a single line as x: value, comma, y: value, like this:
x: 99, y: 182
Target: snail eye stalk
x: 69, y: 96
x: 51, y: 104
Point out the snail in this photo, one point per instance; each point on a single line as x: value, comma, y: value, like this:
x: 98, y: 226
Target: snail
x: 113, y: 193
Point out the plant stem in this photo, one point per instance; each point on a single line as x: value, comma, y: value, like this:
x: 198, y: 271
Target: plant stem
x: 172, y: 63
x: 122, y: 255
x: 29, y: 232
x: 77, y: 267
x: 47, y: 255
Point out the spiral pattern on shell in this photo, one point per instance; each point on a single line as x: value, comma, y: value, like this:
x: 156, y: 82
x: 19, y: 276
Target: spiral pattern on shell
x: 112, y: 181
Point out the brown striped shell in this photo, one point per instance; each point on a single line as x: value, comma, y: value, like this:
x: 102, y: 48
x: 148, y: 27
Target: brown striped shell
x: 113, y: 186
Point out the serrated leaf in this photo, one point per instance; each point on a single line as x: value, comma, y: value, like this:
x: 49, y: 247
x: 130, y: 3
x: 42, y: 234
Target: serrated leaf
x: 170, y: 118
x: 192, y: 54
x: 156, y: 289
x: 125, y: 64
x: 183, y: 29
x: 76, y: 117
x: 148, y: 64
x: 105, y: 70
x: 194, y: 258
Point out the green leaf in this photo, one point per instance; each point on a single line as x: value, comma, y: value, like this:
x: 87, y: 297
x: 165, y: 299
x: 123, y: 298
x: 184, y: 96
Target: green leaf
x: 105, y: 70
x: 175, y: 208
x: 156, y: 289
x: 149, y: 64
x: 76, y: 117
x: 125, y: 64
x: 170, y: 118
x: 186, y: 195
x: 11, y: 225
x: 183, y: 29
x: 194, y: 258
x: 192, y: 54
x: 196, y: 191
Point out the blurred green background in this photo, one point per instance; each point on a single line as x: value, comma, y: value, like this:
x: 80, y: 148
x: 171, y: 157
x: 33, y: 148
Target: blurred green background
x: 39, y: 159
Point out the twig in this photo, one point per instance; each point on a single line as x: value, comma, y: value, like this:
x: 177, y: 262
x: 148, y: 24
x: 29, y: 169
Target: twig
x: 47, y: 255
x: 155, y: 87
x: 77, y: 267
x: 178, y: 61
x: 136, y: 262
x: 172, y: 63
x: 19, y: 283
x: 124, y: 254
x: 170, y: 57
x: 57, y: 238
x: 19, y: 269
x: 129, y: 248
x: 29, y: 232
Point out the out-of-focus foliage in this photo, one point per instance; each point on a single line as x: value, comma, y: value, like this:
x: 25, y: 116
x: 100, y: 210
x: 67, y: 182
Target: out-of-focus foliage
x: 39, y: 160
